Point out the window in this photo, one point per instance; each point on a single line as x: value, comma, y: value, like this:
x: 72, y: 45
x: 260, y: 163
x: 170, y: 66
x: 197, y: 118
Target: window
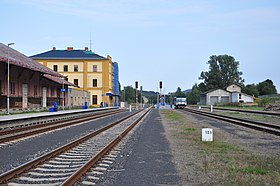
x: 239, y: 96
x: 94, y: 99
x: 76, y: 68
x: 224, y: 99
x: 94, y: 68
x: 1, y: 88
x: 55, y: 68
x: 52, y: 91
x: 65, y: 68
x: 35, y: 90
x: 94, y: 82
x: 76, y: 82
x: 12, y: 88
x: 58, y: 92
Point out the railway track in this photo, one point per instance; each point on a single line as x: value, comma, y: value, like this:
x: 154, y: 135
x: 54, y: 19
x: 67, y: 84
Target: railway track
x: 22, y: 131
x: 73, y: 161
x: 257, y: 125
x: 243, y: 110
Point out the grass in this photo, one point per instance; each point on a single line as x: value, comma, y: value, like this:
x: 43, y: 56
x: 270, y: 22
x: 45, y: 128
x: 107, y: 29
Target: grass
x: 219, y: 147
x: 189, y: 130
x: 244, y: 107
x: 254, y: 170
x: 223, y: 161
x: 255, y: 117
x: 172, y: 115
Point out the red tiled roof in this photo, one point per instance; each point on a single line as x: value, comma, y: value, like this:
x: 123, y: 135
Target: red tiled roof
x: 59, y: 80
x: 18, y: 59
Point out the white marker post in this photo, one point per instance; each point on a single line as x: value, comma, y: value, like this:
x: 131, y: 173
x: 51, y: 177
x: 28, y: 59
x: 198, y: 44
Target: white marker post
x: 207, y: 134
x: 199, y: 107
x: 211, y: 108
x: 129, y: 108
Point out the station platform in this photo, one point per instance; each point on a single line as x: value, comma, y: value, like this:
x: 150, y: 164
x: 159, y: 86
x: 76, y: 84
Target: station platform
x: 22, y: 116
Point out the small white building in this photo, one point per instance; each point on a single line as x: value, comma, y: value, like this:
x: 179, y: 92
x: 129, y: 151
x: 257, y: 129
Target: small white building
x: 232, y: 94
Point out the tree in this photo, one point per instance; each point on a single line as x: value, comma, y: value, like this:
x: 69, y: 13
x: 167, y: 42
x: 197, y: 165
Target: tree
x: 179, y: 93
x: 194, y: 95
x: 129, y: 94
x: 251, y: 89
x: 266, y: 87
x: 223, y: 71
x: 202, y: 87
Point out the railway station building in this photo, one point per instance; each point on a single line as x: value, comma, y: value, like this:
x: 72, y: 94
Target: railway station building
x: 232, y: 94
x: 32, y: 85
x: 91, y: 72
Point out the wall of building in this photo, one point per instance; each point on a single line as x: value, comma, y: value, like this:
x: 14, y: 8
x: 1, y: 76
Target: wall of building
x: 233, y: 88
x: 217, y: 93
x: 78, y: 97
x: 247, y: 98
x: 241, y: 97
x: 85, y: 76
x: 33, y: 83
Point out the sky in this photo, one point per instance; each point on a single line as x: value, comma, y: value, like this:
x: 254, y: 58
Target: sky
x: 153, y: 40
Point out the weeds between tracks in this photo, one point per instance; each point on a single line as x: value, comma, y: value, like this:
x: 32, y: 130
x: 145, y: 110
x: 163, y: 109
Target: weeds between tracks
x: 221, y: 162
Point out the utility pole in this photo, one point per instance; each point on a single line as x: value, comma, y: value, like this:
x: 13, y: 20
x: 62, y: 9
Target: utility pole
x: 63, y: 92
x: 8, y: 87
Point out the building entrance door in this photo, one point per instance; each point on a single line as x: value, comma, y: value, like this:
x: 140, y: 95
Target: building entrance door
x: 24, y: 95
x: 213, y: 100
x: 44, y: 96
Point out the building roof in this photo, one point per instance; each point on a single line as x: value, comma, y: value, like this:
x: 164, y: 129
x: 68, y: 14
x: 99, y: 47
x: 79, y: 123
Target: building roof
x: 68, y: 54
x: 18, y: 59
x: 212, y: 90
x: 59, y: 80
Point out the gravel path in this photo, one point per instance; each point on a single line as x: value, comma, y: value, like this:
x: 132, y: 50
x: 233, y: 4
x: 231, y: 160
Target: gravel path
x: 17, y: 153
x: 145, y: 159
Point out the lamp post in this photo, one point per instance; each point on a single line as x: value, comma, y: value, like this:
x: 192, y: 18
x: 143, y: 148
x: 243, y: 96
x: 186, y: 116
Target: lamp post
x: 63, y: 92
x: 136, y: 95
x: 8, y: 87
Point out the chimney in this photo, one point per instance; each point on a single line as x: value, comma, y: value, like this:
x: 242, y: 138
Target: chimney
x: 69, y: 48
x: 53, y: 48
x: 86, y: 48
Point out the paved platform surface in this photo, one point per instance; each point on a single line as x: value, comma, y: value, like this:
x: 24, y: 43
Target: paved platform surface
x: 146, y: 159
x: 42, y: 114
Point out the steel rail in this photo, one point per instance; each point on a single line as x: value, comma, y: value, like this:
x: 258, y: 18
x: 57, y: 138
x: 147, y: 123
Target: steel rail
x: 5, y: 177
x: 93, y: 161
x: 20, y: 128
x: 45, y: 128
x: 242, y: 110
x: 257, y: 125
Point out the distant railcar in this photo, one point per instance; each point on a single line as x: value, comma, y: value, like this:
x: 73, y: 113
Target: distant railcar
x: 180, y: 103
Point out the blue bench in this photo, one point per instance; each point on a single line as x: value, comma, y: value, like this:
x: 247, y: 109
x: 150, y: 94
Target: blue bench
x: 54, y: 108
x: 85, y: 106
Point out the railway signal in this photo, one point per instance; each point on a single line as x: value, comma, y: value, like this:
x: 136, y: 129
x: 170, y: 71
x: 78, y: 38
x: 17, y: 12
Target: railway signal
x: 136, y: 95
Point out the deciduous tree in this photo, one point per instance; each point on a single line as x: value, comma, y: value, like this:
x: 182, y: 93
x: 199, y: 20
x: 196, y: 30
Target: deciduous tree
x: 266, y: 87
x: 223, y: 71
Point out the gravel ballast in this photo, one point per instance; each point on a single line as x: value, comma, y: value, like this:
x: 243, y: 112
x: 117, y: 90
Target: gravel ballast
x: 17, y: 153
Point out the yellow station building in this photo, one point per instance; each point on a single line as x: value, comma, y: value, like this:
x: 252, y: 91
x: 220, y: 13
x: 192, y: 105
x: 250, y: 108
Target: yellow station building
x: 90, y: 71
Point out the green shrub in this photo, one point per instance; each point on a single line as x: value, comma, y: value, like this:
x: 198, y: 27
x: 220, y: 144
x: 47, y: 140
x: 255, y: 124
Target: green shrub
x: 264, y: 101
